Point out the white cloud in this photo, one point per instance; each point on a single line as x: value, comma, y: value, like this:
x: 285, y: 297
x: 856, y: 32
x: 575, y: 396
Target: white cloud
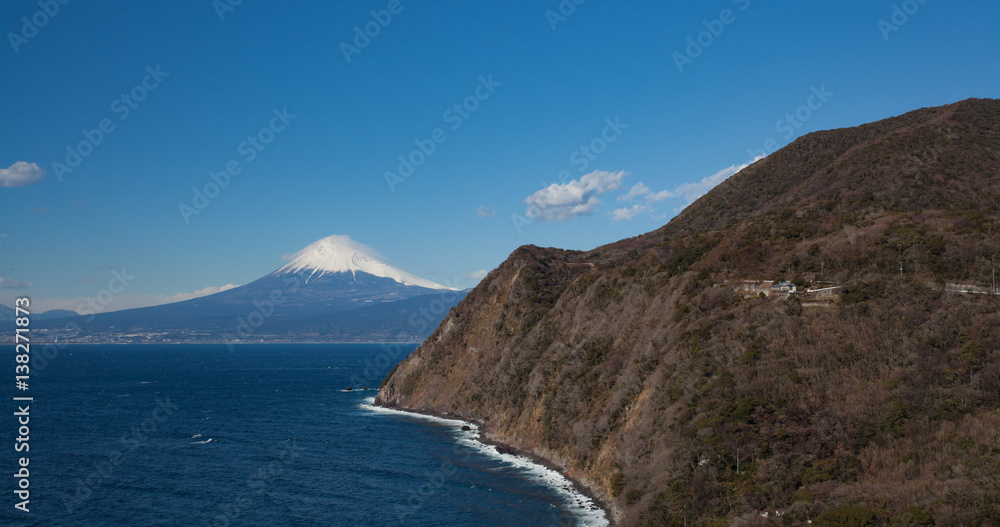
x: 688, y: 191
x: 653, y: 197
x: 211, y: 290
x: 119, y: 302
x: 692, y: 191
x: 486, y: 212
x: 639, y: 189
x: 576, y: 198
x: 21, y: 174
x: 629, y: 213
x: 477, y: 275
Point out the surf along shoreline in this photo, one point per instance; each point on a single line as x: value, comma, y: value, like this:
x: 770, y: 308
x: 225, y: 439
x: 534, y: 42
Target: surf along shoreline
x: 484, y: 436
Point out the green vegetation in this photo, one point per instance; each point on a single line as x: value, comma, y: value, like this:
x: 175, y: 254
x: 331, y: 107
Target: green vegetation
x: 847, y: 516
x: 616, y: 483
x: 914, y: 515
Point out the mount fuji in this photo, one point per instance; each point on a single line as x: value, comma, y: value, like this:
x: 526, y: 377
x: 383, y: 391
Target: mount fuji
x: 332, y: 290
x: 338, y: 255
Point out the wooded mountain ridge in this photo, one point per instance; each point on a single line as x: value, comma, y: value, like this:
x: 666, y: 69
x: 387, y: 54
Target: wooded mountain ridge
x: 642, y: 371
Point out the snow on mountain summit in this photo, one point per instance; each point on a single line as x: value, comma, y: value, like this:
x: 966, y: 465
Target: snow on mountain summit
x: 340, y: 254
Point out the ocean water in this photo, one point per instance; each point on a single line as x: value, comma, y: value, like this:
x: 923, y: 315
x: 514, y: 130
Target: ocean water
x: 145, y: 435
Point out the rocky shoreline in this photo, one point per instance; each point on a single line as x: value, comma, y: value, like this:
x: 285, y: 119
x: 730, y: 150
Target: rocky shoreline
x: 611, y: 511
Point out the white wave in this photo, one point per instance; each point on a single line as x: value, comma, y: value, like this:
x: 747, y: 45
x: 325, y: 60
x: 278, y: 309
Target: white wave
x: 209, y: 440
x: 581, y: 507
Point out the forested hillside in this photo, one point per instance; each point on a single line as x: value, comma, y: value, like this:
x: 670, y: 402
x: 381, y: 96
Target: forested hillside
x: 651, y: 372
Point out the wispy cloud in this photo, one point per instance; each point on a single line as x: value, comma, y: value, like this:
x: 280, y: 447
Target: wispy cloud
x: 689, y: 192
x: 576, y: 198
x: 120, y: 302
x: 477, y: 275
x: 486, y: 212
x: 625, y: 214
x: 641, y: 190
x: 692, y: 191
x: 21, y: 174
x: 211, y: 290
x: 13, y: 283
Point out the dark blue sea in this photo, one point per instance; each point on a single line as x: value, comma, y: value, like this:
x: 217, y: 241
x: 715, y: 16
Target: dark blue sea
x: 257, y: 435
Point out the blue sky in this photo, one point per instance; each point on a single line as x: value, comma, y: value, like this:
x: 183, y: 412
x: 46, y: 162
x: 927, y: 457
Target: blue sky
x: 594, y: 98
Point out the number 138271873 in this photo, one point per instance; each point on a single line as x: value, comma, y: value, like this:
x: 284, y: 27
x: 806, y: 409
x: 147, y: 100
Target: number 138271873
x: 22, y: 324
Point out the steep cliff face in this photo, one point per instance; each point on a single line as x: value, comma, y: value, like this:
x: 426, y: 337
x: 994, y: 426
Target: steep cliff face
x: 646, y: 370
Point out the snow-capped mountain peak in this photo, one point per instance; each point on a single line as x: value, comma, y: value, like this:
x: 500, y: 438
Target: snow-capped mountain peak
x: 340, y: 254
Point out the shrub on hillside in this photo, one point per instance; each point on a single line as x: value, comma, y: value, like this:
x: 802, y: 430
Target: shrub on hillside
x: 847, y: 516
